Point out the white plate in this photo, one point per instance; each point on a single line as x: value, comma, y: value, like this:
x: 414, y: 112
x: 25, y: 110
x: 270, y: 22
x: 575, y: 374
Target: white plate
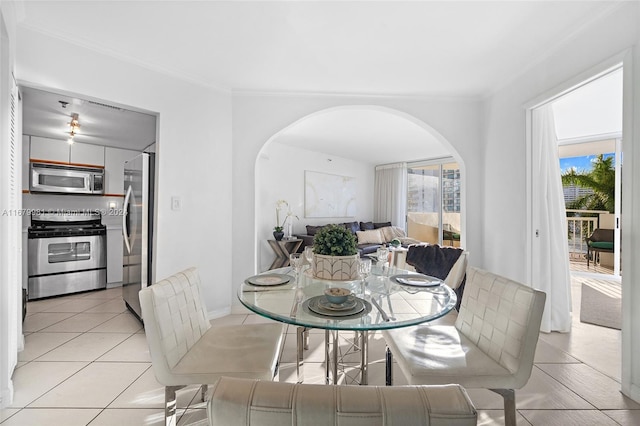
x: 266, y: 280
x: 417, y: 280
x: 314, y: 305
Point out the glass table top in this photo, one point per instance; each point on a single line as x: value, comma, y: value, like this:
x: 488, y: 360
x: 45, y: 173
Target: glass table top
x: 385, y: 303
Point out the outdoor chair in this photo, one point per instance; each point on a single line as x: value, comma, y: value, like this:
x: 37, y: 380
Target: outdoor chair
x: 185, y: 349
x: 491, y: 345
x: 600, y: 241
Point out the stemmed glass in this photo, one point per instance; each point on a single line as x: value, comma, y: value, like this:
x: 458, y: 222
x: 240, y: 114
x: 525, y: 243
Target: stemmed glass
x: 382, y: 254
x: 296, y: 262
x: 364, y: 269
x: 308, y: 255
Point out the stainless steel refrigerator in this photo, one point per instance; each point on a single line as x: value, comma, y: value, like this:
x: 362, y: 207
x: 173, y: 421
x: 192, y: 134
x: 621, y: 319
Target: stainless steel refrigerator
x: 137, y: 228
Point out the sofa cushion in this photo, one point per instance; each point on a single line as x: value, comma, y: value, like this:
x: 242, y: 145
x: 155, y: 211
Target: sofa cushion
x: 366, y: 249
x: 312, y: 230
x: 352, y: 226
x: 391, y: 232
x: 381, y: 225
x: 365, y: 226
x: 373, y: 236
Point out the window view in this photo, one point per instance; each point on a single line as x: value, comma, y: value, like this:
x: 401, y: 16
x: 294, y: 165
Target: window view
x: 433, y: 203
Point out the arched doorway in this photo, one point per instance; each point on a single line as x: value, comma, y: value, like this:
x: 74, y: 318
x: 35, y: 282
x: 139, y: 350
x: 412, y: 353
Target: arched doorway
x: 347, y: 141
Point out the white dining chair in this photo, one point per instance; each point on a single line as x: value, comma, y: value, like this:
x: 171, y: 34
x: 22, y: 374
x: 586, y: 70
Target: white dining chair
x: 491, y: 345
x: 185, y: 349
x: 253, y: 403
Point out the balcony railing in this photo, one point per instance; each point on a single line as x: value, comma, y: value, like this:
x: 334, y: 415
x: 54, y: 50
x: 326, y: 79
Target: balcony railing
x: 580, y: 226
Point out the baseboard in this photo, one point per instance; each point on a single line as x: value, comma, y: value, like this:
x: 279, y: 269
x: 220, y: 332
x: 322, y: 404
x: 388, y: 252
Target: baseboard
x: 634, y: 392
x: 240, y: 310
x: 218, y: 313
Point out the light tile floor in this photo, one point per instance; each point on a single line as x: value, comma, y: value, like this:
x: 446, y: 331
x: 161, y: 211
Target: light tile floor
x: 86, y: 363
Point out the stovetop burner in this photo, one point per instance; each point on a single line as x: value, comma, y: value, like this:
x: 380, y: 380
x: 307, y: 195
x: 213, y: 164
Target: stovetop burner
x: 68, y: 224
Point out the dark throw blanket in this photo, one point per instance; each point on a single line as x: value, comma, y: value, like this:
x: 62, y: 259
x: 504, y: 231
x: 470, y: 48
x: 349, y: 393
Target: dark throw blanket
x: 436, y: 261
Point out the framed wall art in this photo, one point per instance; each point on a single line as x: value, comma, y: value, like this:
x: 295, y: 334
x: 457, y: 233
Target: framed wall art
x: 327, y: 195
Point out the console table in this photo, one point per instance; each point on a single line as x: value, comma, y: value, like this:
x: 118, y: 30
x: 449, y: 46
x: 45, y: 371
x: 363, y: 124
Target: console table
x: 283, y: 249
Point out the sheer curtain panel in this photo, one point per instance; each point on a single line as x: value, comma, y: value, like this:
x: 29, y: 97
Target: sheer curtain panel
x: 551, y: 248
x: 390, y: 194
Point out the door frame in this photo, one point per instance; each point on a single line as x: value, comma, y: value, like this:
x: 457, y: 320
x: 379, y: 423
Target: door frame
x: 549, y: 96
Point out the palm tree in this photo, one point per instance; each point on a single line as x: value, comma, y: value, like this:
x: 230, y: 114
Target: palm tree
x: 601, y: 179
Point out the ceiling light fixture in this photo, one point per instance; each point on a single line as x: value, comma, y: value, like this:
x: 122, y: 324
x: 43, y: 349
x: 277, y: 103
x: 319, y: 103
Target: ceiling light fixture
x: 74, y: 124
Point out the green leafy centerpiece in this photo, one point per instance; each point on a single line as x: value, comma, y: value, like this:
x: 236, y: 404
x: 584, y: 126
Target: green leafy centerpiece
x: 335, y: 254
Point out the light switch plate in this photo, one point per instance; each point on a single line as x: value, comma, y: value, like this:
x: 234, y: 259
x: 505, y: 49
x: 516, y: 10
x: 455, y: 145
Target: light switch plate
x: 176, y: 204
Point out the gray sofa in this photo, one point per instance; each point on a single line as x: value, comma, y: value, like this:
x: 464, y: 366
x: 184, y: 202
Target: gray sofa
x: 355, y: 226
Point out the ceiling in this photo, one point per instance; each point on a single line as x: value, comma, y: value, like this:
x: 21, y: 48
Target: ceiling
x: 415, y: 48
x: 371, y: 136
x: 47, y: 114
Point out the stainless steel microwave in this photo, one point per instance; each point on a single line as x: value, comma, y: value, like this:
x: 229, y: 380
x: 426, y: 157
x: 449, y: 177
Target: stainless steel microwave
x: 66, y: 179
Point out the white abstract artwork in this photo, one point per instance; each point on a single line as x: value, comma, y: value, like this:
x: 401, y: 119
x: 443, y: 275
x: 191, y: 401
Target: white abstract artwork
x: 327, y: 195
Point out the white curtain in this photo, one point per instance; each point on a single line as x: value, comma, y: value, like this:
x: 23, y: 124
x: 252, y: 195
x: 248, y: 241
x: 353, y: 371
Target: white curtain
x: 551, y: 249
x: 390, y: 194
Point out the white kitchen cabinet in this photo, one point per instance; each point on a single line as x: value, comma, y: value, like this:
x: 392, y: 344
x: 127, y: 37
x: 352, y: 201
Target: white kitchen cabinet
x: 87, y: 154
x: 58, y: 150
x: 46, y: 149
x: 114, y: 254
x: 114, y: 159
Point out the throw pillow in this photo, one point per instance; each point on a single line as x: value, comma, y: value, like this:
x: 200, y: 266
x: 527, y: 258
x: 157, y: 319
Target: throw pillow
x: 352, y: 226
x: 365, y: 226
x: 391, y: 232
x: 311, y: 230
x: 381, y: 225
x: 373, y: 236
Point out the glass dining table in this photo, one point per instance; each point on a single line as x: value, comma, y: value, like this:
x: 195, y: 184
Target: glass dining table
x: 389, y: 298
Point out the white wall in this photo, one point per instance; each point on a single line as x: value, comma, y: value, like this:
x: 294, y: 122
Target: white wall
x: 258, y: 117
x: 505, y: 218
x: 193, y: 153
x: 10, y: 294
x: 280, y: 176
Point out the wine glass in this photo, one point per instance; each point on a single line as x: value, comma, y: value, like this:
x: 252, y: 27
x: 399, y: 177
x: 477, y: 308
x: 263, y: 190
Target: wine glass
x: 382, y: 254
x: 308, y: 255
x: 296, y: 262
x: 364, y: 269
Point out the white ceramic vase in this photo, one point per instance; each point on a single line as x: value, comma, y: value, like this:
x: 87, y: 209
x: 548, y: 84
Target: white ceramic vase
x: 336, y: 268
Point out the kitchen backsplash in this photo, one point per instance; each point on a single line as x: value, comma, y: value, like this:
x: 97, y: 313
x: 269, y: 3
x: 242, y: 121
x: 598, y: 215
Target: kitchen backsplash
x: 111, y: 216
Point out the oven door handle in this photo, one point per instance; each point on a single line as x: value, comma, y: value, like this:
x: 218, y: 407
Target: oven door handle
x: 125, y: 216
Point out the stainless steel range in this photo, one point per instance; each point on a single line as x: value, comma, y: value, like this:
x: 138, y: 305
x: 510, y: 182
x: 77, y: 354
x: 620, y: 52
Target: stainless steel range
x: 67, y: 253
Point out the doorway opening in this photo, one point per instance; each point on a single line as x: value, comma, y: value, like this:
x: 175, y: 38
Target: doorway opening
x: 582, y: 136
x: 347, y: 141
x: 589, y: 129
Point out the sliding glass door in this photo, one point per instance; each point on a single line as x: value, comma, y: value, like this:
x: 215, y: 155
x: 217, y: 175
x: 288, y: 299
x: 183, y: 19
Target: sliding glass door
x: 433, y: 202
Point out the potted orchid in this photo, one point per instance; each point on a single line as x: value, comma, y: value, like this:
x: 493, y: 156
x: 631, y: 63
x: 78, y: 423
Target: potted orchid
x: 278, y: 229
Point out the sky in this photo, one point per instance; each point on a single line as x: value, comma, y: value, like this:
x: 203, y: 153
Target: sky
x: 580, y: 163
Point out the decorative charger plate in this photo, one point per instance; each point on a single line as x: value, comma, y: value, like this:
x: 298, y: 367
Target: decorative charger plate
x: 317, y: 305
x: 268, y: 279
x: 417, y: 280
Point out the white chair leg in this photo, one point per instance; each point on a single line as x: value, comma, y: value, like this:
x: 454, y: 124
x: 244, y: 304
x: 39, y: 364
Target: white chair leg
x: 509, y: 396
